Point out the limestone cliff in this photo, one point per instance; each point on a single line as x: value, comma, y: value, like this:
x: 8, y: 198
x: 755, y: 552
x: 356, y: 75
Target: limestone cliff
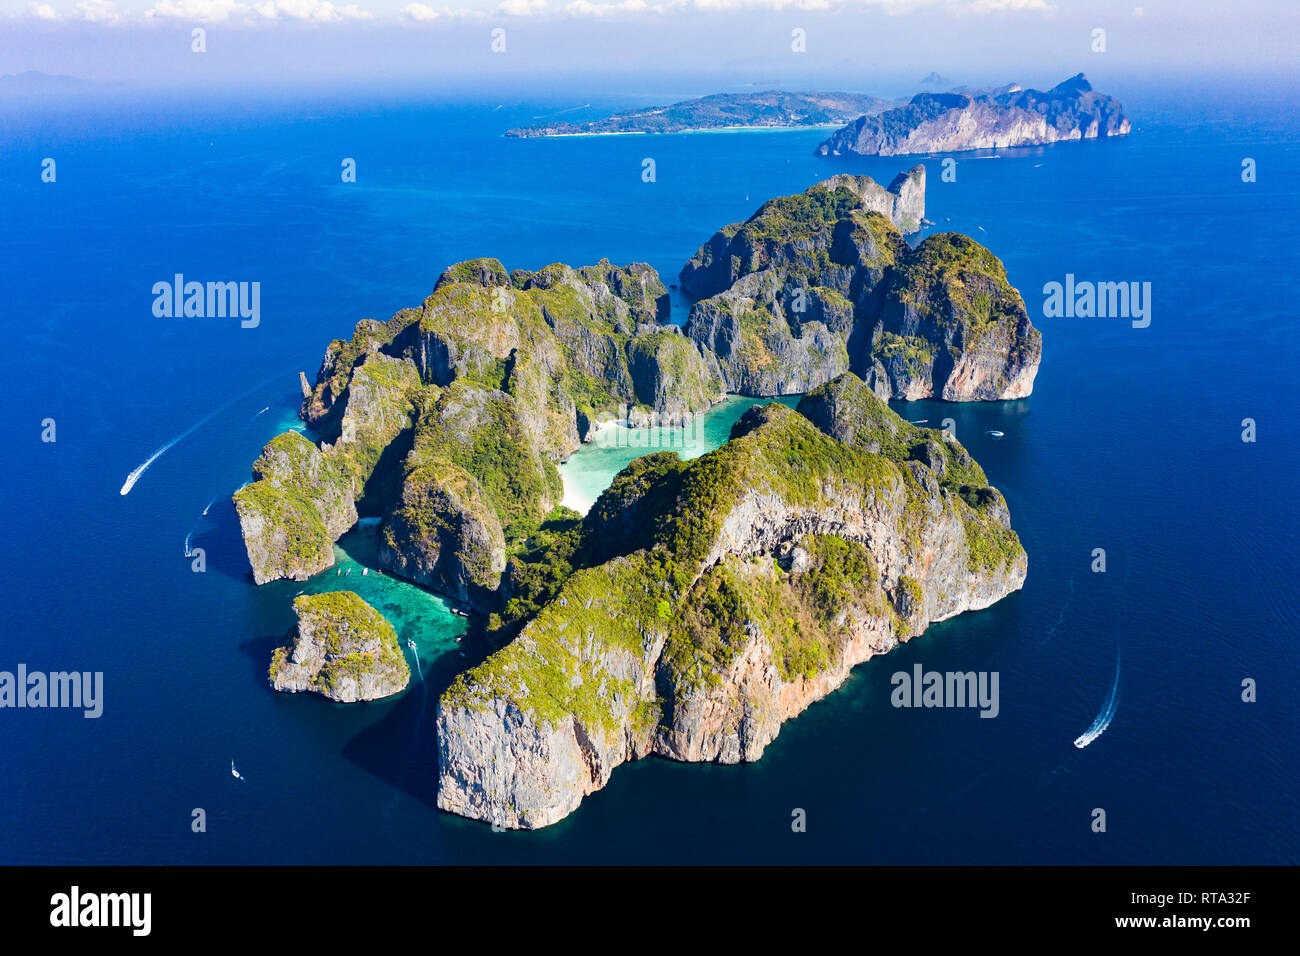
x: 543, y: 355
x: 952, y: 327
x: 293, y: 511
x: 711, y: 600
x: 795, y: 234
x: 472, y: 474
x: 1012, y: 116
x: 821, y: 283
x: 343, y: 649
x: 304, y: 497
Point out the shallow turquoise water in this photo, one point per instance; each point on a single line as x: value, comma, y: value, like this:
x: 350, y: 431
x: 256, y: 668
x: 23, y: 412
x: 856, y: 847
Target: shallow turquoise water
x: 591, y: 468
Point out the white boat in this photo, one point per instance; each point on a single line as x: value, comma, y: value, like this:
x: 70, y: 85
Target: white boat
x: 233, y: 772
x: 411, y: 644
x: 995, y: 433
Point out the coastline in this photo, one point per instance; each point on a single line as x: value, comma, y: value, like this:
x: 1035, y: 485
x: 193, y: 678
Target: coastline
x: 678, y: 132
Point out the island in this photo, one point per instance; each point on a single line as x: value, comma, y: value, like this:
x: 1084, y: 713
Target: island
x: 699, y: 604
x: 343, y: 649
x: 1009, y: 116
x: 773, y: 109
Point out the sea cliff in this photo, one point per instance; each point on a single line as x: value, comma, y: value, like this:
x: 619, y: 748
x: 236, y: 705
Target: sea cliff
x: 709, y: 601
x: 1013, y: 116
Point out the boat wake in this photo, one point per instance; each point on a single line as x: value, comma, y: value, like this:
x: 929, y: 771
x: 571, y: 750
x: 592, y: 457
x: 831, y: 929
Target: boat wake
x: 140, y: 469
x: 1103, y: 719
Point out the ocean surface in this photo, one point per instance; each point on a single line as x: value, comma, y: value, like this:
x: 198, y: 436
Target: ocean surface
x: 1131, y: 442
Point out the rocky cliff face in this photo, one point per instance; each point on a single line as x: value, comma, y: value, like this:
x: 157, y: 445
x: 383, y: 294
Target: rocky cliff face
x: 746, y: 584
x: 293, y: 511
x: 952, y: 327
x: 343, y: 649
x: 949, y: 122
x: 795, y: 234
x: 823, y: 283
x: 446, y: 420
x: 472, y: 473
x: 303, y: 497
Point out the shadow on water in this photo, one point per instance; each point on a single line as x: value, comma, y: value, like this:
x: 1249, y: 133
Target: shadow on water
x: 219, y: 536
x: 402, y: 748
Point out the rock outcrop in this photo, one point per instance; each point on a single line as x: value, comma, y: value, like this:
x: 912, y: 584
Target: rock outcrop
x: 952, y: 327
x: 343, y: 649
x: 1011, y: 116
x: 821, y: 283
x: 303, y: 497
x: 795, y: 234
x: 294, y: 510
x: 472, y: 473
x: 446, y: 421
x: 711, y: 600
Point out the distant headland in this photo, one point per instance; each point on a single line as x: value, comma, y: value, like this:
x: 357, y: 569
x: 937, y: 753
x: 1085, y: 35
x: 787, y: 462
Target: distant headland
x: 774, y: 109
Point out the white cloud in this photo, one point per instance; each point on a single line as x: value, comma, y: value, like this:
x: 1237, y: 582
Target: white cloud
x: 97, y: 11
x: 328, y: 11
x: 320, y: 11
x: 214, y: 10
x: 1003, y: 6
x: 521, y: 8
x: 585, y: 8
x: 423, y: 12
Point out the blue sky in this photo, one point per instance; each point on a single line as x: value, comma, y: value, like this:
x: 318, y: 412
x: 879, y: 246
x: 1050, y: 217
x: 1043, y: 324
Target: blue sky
x: 973, y: 41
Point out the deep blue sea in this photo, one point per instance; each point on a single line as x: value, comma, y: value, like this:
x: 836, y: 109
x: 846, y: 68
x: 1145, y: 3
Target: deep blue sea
x: 1131, y: 442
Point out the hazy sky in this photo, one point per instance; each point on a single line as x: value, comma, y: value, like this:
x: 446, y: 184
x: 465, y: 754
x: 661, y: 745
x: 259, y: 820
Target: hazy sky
x: 851, y: 43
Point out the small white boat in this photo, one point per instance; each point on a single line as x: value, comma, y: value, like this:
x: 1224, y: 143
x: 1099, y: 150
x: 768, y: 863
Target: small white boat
x: 411, y: 644
x: 364, y: 572
x: 919, y: 421
x: 233, y: 772
x: 995, y: 433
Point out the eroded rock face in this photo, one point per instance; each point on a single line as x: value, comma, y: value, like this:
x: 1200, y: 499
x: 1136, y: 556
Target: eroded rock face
x: 294, y: 510
x: 472, y: 472
x: 795, y: 235
x: 949, y: 122
x: 303, y: 497
x: 952, y: 327
x: 446, y: 420
x: 763, y: 345
x: 819, y: 284
x: 343, y: 649
x: 745, y: 590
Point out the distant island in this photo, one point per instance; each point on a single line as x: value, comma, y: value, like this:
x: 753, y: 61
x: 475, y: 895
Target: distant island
x: 957, y: 120
x: 770, y: 109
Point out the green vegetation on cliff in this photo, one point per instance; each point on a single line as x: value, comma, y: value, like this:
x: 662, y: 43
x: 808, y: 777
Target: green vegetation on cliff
x: 344, y: 649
